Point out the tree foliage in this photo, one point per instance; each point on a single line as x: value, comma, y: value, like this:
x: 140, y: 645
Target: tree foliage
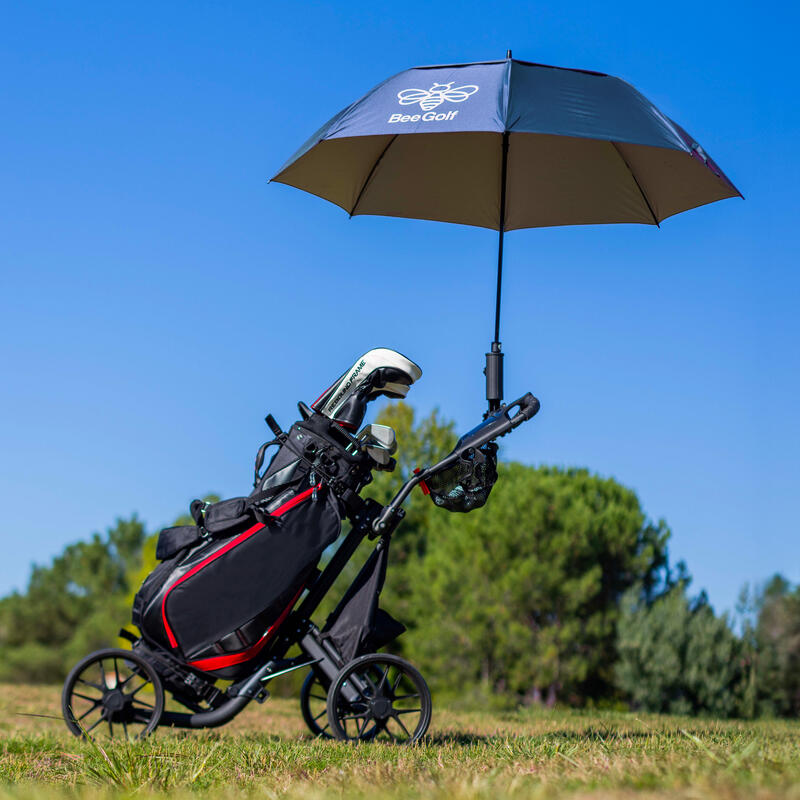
x: 676, y: 656
x: 522, y: 595
x: 70, y: 607
x: 772, y: 646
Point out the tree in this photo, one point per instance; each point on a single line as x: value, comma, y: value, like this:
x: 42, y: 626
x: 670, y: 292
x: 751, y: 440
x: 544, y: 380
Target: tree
x: 676, y: 656
x: 70, y: 607
x: 772, y: 641
x: 522, y: 595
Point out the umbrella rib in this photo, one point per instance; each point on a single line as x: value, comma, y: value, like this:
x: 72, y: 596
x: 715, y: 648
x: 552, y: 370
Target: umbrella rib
x: 371, y: 173
x: 638, y: 185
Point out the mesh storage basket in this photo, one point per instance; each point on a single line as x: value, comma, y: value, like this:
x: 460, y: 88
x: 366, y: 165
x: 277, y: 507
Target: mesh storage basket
x: 467, y: 484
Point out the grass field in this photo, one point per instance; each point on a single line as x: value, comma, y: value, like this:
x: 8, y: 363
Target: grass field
x: 266, y: 752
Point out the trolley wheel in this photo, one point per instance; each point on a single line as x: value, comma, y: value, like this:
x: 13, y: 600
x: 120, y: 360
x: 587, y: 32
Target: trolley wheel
x: 379, y: 697
x: 313, y: 705
x: 115, y: 692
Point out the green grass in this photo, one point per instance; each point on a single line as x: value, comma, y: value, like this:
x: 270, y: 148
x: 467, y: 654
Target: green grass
x: 265, y: 753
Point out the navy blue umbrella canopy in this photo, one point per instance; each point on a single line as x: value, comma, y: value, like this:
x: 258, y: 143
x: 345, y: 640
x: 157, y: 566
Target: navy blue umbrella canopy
x: 507, y: 145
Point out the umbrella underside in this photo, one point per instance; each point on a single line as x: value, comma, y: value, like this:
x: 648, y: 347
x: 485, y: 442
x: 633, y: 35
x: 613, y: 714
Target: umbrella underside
x: 551, y: 179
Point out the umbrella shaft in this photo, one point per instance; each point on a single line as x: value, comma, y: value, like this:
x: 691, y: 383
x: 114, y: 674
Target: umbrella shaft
x: 503, y: 175
x: 494, y: 358
x: 499, y: 287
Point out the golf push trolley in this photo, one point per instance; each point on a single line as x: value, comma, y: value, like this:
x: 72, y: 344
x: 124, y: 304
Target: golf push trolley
x: 223, y: 603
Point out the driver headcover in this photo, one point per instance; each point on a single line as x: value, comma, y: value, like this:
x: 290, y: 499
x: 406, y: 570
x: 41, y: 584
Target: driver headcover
x: 379, y: 372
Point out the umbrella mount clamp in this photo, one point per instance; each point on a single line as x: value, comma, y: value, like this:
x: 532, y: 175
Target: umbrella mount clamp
x: 494, y: 377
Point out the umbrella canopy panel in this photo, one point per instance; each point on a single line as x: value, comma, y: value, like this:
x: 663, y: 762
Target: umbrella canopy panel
x: 583, y: 148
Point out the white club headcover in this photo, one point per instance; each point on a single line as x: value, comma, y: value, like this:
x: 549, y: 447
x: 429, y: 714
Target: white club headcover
x: 335, y: 398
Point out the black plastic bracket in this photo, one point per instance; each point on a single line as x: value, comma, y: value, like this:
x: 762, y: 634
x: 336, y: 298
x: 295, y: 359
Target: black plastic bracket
x: 494, y: 377
x: 124, y: 633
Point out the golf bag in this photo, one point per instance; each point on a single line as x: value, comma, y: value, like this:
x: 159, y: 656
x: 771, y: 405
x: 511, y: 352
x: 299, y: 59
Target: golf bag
x: 227, y: 583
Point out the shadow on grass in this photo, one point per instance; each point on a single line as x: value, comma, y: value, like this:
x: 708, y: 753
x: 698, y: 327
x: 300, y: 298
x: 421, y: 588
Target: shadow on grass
x: 571, y: 736
x: 461, y: 739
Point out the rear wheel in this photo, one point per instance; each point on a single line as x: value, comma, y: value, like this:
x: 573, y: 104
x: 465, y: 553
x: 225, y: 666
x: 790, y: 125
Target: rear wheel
x: 379, y: 697
x: 112, y: 694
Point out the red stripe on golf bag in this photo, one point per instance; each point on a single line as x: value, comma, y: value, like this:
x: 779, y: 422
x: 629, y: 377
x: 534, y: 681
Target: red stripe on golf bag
x: 287, y: 506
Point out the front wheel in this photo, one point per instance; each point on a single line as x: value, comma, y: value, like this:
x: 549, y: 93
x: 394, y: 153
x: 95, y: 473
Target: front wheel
x: 112, y: 692
x: 379, y: 697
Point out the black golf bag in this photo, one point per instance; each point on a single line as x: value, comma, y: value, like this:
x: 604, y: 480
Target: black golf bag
x: 227, y: 583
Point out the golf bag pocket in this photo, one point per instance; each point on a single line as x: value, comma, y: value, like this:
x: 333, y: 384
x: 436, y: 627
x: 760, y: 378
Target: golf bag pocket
x: 223, y: 518
x: 172, y: 540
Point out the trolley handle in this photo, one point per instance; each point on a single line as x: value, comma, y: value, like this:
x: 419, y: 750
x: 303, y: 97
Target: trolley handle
x: 500, y: 423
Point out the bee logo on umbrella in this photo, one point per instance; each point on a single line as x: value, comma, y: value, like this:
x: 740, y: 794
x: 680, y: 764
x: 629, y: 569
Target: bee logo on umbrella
x: 436, y: 95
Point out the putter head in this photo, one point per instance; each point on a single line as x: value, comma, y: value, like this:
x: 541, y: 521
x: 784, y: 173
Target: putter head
x: 377, y: 372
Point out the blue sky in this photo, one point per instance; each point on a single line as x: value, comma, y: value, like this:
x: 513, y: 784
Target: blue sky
x: 158, y: 297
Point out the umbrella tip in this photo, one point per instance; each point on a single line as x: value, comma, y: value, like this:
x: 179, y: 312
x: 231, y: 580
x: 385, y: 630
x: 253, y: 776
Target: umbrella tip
x: 508, y: 54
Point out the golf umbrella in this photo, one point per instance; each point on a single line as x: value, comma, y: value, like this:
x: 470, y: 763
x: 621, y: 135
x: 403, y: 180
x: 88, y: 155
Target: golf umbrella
x: 506, y: 145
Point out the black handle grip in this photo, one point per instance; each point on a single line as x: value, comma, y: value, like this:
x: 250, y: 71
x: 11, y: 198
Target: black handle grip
x: 528, y: 407
x: 500, y: 422
x: 273, y: 425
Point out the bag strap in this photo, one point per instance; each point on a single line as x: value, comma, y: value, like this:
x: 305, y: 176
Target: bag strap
x: 260, y: 459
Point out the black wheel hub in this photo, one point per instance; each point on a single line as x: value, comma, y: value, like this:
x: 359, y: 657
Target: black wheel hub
x: 115, y: 701
x: 381, y: 708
